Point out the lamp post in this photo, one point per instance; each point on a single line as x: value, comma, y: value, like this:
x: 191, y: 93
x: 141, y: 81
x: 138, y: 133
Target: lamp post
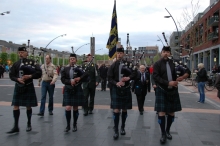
x: 3, y: 13
x: 81, y: 46
x: 54, y: 39
x: 180, y: 51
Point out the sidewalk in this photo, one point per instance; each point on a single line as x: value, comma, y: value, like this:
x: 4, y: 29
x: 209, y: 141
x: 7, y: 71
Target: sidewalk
x: 210, y: 94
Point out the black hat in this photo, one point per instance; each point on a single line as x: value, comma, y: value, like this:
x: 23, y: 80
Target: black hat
x: 166, y: 48
x: 73, y: 55
x: 22, y: 49
x: 120, y: 49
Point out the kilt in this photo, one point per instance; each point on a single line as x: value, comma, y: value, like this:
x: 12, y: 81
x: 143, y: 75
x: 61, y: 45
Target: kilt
x: 75, y: 99
x: 162, y: 104
x: 27, y: 98
x: 118, y: 102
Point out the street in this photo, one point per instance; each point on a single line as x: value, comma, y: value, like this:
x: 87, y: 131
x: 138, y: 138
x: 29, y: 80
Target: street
x: 197, y: 124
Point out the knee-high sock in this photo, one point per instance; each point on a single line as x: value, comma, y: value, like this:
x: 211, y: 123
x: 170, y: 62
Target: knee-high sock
x: 170, y: 120
x: 16, y: 114
x: 29, y: 114
x: 116, y: 120
x: 123, y: 119
x: 162, y: 122
x: 75, y: 117
x: 68, y: 117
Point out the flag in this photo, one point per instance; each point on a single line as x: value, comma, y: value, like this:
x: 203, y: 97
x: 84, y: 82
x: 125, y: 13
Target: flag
x: 113, y: 36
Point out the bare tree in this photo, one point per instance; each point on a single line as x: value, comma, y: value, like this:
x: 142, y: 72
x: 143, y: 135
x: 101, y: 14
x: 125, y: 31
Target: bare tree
x: 188, y: 19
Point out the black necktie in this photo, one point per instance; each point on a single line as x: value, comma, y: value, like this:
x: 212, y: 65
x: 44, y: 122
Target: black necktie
x: 142, y: 77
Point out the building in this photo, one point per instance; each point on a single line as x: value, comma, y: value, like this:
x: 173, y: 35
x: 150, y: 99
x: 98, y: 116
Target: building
x: 59, y: 57
x: 202, y: 36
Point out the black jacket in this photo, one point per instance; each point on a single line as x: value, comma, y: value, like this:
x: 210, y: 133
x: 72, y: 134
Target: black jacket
x: 202, y: 75
x: 138, y: 86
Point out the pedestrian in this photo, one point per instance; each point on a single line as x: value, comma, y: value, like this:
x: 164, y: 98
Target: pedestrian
x: 217, y: 85
x: 23, y: 72
x: 103, y: 74
x: 73, y: 93
x: 49, y: 77
x: 119, y: 76
x: 201, y: 79
x: 140, y: 87
x: 89, y: 86
x: 167, y: 96
x: 1, y: 71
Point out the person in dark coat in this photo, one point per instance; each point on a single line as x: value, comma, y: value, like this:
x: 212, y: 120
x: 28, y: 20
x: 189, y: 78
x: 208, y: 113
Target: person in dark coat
x: 217, y: 85
x: 167, y: 96
x: 1, y: 71
x: 22, y: 73
x: 89, y: 86
x: 119, y: 75
x: 103, y: 74
x: 73, y: 96
x: 201, y: 79
x: 140, y: 87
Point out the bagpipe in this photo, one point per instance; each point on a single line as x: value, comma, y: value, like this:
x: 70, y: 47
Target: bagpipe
x: 27, y: 66
x: 180, y: 66
x: 130, y: 63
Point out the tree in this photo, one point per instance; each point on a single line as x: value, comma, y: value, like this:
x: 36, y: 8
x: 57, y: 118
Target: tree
x: 156, y: 58
x: 55, y: 61
x: 13, y: 57
x: 148, y: 60
x: 4, y: 58
x: 188, y: 19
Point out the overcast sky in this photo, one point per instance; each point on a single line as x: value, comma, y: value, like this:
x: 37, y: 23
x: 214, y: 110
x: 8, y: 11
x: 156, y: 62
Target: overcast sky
x: 43, y: 20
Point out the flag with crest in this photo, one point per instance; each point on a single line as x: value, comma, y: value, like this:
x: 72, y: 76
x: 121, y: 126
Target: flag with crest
x: 113, y: 36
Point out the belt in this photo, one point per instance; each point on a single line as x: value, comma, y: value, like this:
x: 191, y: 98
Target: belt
x: 47, y: 80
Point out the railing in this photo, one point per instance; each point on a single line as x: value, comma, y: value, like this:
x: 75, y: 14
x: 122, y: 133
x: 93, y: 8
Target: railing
x: 213, y: 21
x: 212, y: 36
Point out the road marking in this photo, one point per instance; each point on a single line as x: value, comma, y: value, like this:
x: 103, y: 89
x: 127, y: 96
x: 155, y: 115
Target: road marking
x: 187, y: 110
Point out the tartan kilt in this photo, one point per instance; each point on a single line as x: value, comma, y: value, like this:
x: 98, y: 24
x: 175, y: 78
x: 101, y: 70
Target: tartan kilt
x: 162, y: 104
x: 118, y: 102
x: 27, y: 98
x: 76, y: 99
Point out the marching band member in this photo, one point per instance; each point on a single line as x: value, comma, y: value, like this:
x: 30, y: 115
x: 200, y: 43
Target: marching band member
x: 72, y: 76
x: 23, y: 72
x: 119, y: 76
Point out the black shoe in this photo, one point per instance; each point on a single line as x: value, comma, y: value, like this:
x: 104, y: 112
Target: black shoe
x: 163, y: 139
x: 13, y: 130
x: 169, y: 136
x: 67, y: 129
x: 29, y: 128
x: 90, y: 112
x: 141, y: 113
x: 40, y: 114
x: 123, y: 131
x: 116, y: 135
x: 85, y: 114
x: 51, y: 113
x: 74, y: 128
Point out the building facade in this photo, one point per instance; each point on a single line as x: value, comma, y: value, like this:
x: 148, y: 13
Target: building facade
x: 202, y: 36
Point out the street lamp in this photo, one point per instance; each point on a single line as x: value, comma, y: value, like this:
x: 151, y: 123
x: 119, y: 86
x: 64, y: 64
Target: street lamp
x: 180, y: 51
x: 54, y: 39
x: 3, y: 13
x: 81, y: 46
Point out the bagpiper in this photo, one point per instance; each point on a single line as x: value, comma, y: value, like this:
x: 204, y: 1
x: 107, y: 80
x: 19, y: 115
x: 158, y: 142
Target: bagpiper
x: 119, y: 75
x: 72, y: 76
x: 23, y: 72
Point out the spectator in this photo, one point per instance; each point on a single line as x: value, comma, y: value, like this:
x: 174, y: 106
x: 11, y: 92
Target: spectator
x: 202, y: 78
